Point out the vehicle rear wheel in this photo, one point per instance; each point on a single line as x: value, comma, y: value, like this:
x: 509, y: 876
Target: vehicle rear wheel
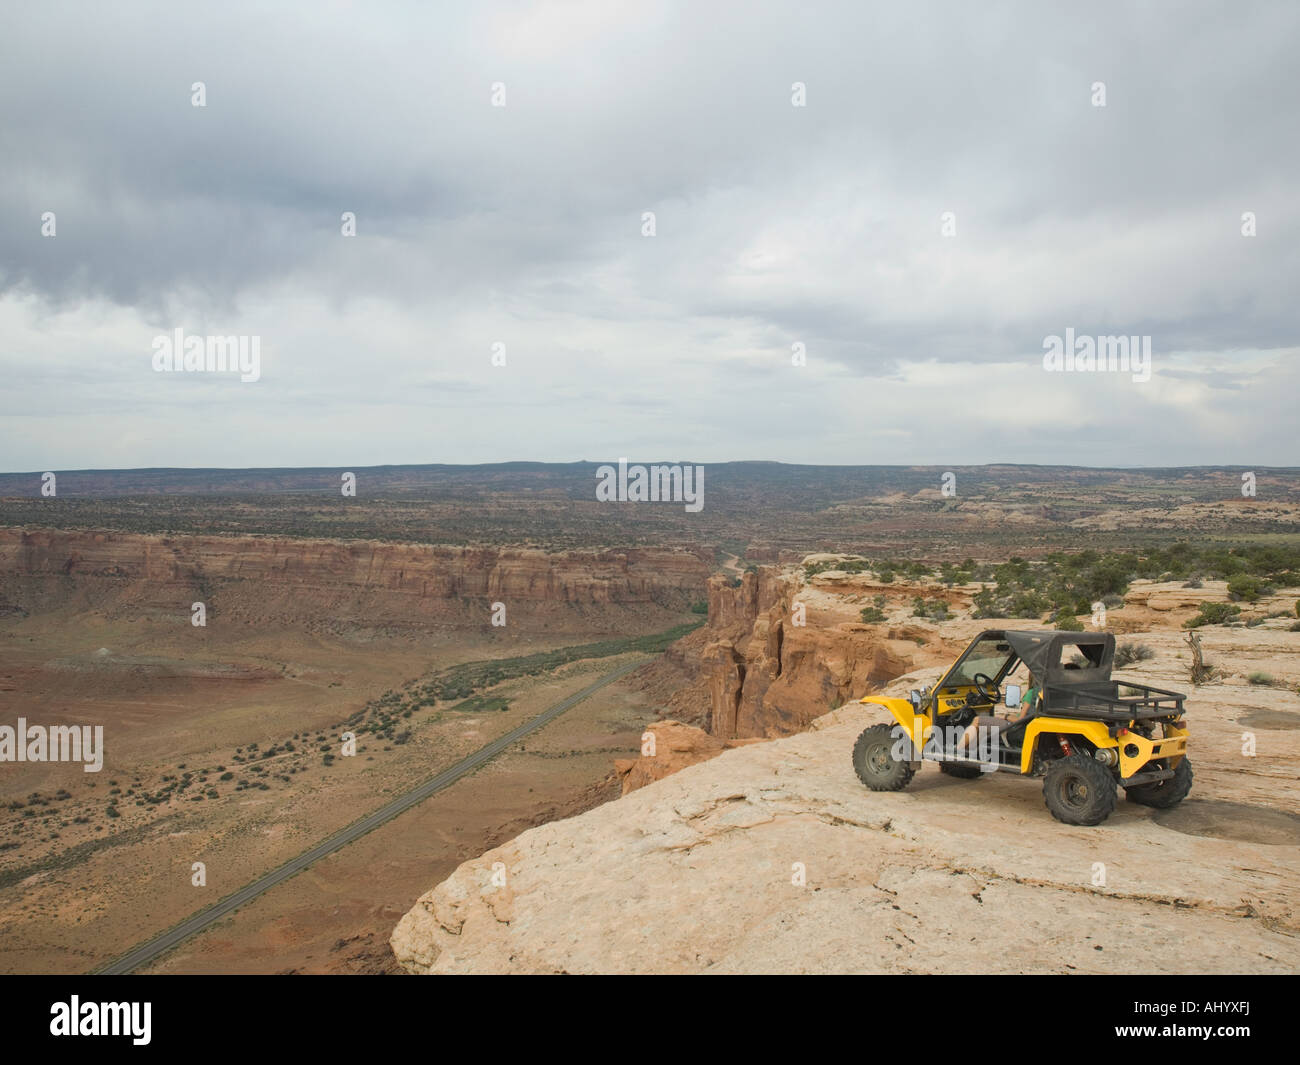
x: 874, y: 761
x: 1079, y: 790
x: 1162, y: 794
x: 961, y: 772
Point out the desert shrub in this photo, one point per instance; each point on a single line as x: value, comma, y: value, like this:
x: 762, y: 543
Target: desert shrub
x: 1247, y: 588
x: 1195, y: 582
x: 872, y: 615
x: 701, y: 607
x: 985, y: 603
x: 1065, y: 620
x: 1213, y: 614
x: 950, y: 574
x: 933, y: 609
x: 1260, y: 678
x: 1129, y: 653
x: 1016, y: 603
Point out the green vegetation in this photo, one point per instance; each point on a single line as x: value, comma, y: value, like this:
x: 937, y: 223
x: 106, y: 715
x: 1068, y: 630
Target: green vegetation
x: 1065, y: 620
x: 1213, y: 614
x: 478, y: 704
x: 848, y: 565
x: 1260, y: 678
x: 459, y: 682
x: 1129, y: 653
x: 951, y: 574
x: 933, y: 609
x: 875, y: 613
x: 1067, y: 584
x: 885, y: 569
x: 701, y: 607
x: 1247, y: 587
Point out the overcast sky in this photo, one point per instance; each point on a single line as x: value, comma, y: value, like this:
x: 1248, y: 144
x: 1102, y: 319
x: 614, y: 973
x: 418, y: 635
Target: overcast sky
x: 775, y: 225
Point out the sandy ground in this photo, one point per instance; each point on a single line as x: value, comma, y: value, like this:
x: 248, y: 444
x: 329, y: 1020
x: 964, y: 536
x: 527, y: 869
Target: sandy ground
x: 336, y: 916
x: 74, y: 893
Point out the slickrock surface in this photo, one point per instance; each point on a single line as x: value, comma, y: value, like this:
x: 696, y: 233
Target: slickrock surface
x: 695, y: 872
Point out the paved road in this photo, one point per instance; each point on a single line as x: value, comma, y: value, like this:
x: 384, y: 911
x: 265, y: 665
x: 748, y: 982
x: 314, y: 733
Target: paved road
x: 159, y: 945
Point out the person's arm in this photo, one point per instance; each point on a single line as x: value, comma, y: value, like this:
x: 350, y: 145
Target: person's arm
x: 1031, y: 698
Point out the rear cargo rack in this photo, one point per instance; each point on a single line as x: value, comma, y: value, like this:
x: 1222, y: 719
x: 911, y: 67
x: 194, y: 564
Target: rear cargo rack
x: 1103, y: 701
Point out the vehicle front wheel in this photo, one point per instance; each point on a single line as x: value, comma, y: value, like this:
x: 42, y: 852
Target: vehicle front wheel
x: 875, y: 763
x: 1162, y: 794
x: 1079, y: 790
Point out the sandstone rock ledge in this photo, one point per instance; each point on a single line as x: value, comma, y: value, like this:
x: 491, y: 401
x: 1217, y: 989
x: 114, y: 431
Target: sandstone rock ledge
x: 694, y: 873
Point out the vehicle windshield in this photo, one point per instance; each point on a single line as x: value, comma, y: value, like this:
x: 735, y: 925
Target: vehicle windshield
x: 986, y: 656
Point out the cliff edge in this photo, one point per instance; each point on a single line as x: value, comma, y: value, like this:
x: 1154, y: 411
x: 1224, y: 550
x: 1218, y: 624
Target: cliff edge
x: 772, y: 857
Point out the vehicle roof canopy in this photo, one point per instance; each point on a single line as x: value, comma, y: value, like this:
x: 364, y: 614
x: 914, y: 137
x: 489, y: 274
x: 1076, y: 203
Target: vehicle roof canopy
x: 1042, y: 652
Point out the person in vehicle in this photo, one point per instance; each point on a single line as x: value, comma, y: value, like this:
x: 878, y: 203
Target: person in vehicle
x: 1028, y: 704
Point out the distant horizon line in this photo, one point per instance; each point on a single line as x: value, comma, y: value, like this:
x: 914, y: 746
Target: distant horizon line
x: 602, y: 462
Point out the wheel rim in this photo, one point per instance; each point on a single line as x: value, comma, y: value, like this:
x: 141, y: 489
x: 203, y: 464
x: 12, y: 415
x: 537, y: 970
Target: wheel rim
x: 1074, y: 791
x: 878, y: 760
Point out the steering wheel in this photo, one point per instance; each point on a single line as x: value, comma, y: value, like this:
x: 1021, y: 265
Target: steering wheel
x: 987, y: 689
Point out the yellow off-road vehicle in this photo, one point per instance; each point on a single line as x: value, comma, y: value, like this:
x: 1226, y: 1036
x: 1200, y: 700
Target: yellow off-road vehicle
x: 1082, y: 732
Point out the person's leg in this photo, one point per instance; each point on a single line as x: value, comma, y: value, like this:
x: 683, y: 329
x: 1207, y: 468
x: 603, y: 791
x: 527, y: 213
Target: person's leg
x: 972, y: 731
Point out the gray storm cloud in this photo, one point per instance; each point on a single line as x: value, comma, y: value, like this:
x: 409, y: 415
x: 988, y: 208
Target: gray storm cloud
x: 522, y: 224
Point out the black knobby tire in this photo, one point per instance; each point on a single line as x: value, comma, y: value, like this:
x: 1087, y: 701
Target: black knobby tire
x: 1162, y: 794
x: 874, y: 761
x: 1079, y: 790
x: 961, y: 772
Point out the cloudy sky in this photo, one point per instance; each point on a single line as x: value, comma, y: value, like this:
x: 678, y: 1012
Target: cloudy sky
x: 775, y: 225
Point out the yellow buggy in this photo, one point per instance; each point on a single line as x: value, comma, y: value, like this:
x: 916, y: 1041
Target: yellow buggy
x: 1082, y: 732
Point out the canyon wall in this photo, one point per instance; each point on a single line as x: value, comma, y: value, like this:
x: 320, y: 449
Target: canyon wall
x: 338, y: 584
x: 754, y: 672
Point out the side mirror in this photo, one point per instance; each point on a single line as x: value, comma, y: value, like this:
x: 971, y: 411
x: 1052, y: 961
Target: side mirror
x: 915, y: 697
x: 1013, y: 696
